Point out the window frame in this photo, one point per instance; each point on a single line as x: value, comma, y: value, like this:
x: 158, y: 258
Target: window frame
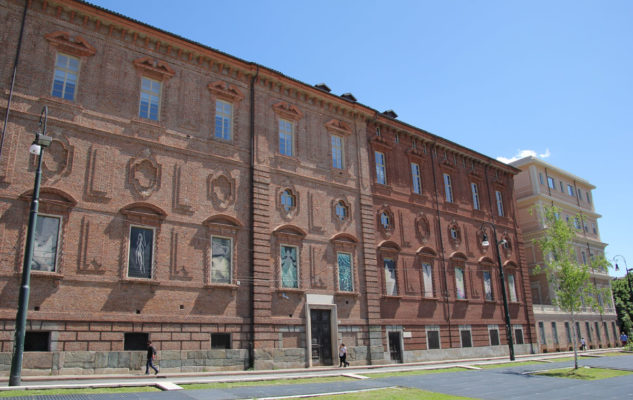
x: 231, y: 262
x: 489, y: 294
x: 513, y: 295
x: 416, y: 179
x: 570, y: 190
x: 474, y: 189
x: 494, y: 328
x: 448, y: 188
x: 151, y: 271
x: 465, y: 328
x: 288, y: 135
x: 338, y: 270
x: 462, y: 269
x: 381, y: 167
x: 57, y: 242
x: 551, y: 183
x: 395, y: 290
x: 338, y: 151
x: 429, y: 279
x: 224, y: 118
x: 150, y: 94
x: 283, y: 246
x: 66, y: 71
x: 499, y: 200
x: 433, y: 328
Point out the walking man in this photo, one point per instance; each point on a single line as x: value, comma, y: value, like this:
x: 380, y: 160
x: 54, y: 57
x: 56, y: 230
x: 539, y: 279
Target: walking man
x: 342, y: 356
x: 623, y: 339
x: 151, y: 355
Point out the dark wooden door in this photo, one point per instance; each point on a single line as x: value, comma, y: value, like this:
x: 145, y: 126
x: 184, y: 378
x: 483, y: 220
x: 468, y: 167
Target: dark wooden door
x: 395, y: 351
x: 321, y: 337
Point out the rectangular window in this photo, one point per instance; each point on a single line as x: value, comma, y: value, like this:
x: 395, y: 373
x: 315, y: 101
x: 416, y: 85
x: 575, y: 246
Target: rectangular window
x: 588, y: 329
x: 433, y: 337
x: 220, y: 341
x: 588, y: 197
x: 512, y: 288
x: 135, y: 341
x: 594, y: 229
x: 391, y: 283
x: 223, y: 120
x: 337, y: 152
x: 37, y: 341
x: 149, y: 106
x: 381, y: 168
x: 475, y: 190
x: 460, y: 288
x: 427, y: 276
x: 579, y: 194
x: 578, y: 333
x: 289, y: 267
x: 65, y: 77
x: 448, y: 188
x: 570, y: 190
x: 584, y: 257
x: 562, y: 186
x: 415, y: 176
x: 568, y: 332
x: 541, y: 333
x: 598, y: 336
x: 221, y: 259
x: 615, y: 332
x: 140, y: 258
x: 499, y: 198
x: 493, y: 333
x: 540, y: 178
x: 518, y: 334
x: 554, y: 333
x: 606, y: 331
x: 345, y: 272
x: 488, y: 286
x: 286, y: 138
x: 465, y: 336
x: 551, y: 183
x: 45, y: 246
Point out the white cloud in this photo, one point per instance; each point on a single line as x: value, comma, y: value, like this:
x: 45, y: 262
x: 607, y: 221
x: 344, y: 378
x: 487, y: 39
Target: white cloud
x: 522, y: 154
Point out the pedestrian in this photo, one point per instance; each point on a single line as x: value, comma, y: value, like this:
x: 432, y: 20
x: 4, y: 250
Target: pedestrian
x: 583, y: 344
x: 623, y: 339
x: 342, y: 356
x: 151, y: 356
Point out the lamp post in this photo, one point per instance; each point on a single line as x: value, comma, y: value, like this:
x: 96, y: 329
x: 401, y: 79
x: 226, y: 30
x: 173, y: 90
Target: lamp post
x: 626, y: 267
x: 485, y: 243
x: 41, y: 141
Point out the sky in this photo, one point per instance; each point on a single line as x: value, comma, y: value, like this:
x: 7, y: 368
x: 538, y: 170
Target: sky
x: 552, y: 79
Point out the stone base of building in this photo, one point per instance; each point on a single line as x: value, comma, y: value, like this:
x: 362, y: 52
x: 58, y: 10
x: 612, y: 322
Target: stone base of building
x: 413, y: 356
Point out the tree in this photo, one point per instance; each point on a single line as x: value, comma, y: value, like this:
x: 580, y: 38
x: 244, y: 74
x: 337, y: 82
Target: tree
x: 624, y: 303
x: 569, y: 278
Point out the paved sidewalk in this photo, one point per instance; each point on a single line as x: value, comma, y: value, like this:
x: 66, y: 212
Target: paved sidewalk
x: 501, y: 383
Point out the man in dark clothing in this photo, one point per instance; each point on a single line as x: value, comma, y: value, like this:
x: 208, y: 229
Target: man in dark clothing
x: 151, y: 355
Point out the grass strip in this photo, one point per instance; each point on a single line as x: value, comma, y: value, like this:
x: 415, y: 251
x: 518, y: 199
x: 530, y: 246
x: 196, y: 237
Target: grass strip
x: 52, y: 392
x: 416, y: 372
x: 229, y: 385
x: 392, y: 394
x: 585, y: 374
x: 509, y: 364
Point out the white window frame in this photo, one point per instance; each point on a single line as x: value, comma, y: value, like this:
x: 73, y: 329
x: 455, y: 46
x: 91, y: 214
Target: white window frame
x: 434, y: 328
x: 448, y: 188
x: 226, y: 130
x: 281, y: 280
x: 58, y: 241
x: 129, y: 248
x: 415, y: 178
x: 381, y: 167
x: 66, y: 71
x: 338, y: 157
x: 230, y: 239
x: 286, y: 137
x: 499, y: 197
x: 151, y: 94
x: 475, y: 191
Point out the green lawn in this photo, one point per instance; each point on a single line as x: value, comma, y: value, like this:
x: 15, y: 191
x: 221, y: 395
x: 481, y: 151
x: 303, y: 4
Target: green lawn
x: 51, y: 392
x: 569, y: 359
x: 392, y: 394
x: 416, y: 372
x: 228, y: 385
x: 586, y: 374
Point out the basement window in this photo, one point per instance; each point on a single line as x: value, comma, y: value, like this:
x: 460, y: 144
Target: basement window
x: 37, y: 341
x: 135, y: 341
x: 220, y: 341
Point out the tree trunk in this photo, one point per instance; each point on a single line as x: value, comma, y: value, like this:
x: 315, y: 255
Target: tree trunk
x: 573, y: 339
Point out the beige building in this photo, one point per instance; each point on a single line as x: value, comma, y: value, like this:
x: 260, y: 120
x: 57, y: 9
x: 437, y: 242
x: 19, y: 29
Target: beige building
x: 538, y: 185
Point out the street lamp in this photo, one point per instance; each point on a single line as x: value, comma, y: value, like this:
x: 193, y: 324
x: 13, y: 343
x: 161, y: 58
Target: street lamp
x: 41, y: 141
x: 626, y: 267
x: 485, y: 243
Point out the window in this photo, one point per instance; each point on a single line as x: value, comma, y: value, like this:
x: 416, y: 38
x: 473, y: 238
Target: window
x: 150, y: 99
x: 541, y: 333
x: 579, y: 194
x: 65, y: 77
x: 576, y: 223
x: 381, y: 176
x: 427, y: 277
x: 220, y: 341
x: 223, y: 120
x: 588, y: 329
x: 584, y: 257
x: 135, y: 341
x: 475, y: 191
x: 588, y: 197
x: 415, y: 176
x: 578, y: 334
x: 391, y: 283
x: 518, y: 334
x: 598, y: 331
x: 45, y: 247
x: 512, y: 288
x: 289, y: 267
x: 141, y: 254
x: 562, y: 186
x: 540, y: 178
x: 615, y: 332
x: 287, y: 200
x: 448, y: 189
x: 433, y: 337
x: 337, y: 152
x: 568, y: 332
x: 488, y: 286
x: 221, y: 259
x: 454, y: 233
x: 606, y: 331
x: 286, y: 138
x: 570, y: 190
x: 554, y: 333
x: 345, y: 272
x: 341, y: 210
x: 37, y: 341
x: 499, y: 198
x: 465, y: 336
x: 385, y: 221
x: 594, y: 229
x: 460, y: 288
x: 551, y: 183
x: 493, y: 334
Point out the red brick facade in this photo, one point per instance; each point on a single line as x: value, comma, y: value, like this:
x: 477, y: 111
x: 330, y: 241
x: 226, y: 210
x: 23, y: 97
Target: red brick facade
x: 126, y: 181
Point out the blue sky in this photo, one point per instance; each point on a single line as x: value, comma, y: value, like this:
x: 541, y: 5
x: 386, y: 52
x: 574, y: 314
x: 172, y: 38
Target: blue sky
x: 501, y: 77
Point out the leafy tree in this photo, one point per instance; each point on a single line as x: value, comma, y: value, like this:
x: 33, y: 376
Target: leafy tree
x: 570, y: 279
x: 624, y: 303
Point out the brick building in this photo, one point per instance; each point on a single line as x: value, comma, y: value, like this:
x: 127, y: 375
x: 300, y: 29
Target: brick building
x: 233, y: 215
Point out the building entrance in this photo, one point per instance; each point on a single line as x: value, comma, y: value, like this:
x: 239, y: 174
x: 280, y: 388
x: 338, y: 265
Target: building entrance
x: 395, y: 350
x: 321, y: 337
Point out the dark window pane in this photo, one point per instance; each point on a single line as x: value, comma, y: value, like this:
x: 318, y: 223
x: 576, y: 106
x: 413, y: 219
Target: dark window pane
x: 135, y: 341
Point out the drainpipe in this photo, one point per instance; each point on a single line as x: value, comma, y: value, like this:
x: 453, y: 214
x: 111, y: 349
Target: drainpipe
x: 15, y: 70
x: 251, y: 351
x: 441, y: 243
